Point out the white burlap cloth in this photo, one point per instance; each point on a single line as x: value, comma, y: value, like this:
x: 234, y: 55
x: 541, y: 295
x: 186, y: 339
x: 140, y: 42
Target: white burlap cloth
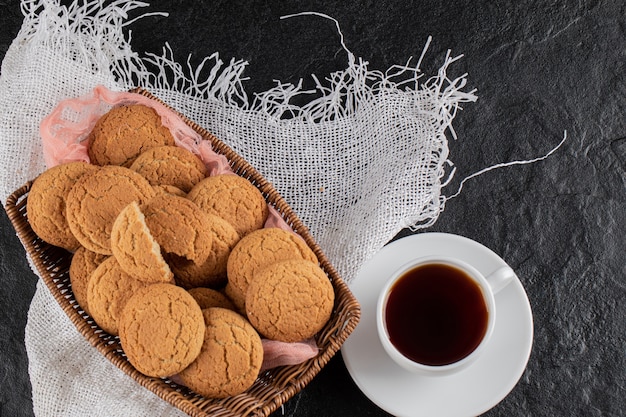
x: 358, y: 164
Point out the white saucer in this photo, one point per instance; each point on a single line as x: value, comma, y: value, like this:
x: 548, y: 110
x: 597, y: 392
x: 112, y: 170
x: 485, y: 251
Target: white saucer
x: 471, y: 391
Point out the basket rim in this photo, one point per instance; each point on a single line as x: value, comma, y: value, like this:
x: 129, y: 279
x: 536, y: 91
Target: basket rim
x: 332, y: 336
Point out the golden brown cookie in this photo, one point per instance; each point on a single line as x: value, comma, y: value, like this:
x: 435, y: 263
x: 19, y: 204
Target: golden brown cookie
x: 232, y: 198
x: 170, y: 165
x: 46, y: 205
x: 135, y: 249
x: 230, y: 359
x: 124, y: 132
x: 108, y: 291
x: 179, y: 227
x: 259, y: 249
x: 95, y: 201
x: 212, y: 272
x: 238, y: 299
x: 161, y: 330
x: 169, y: 189
x: 83, y: 263
x: 207, y: 298
x: 290, y: 300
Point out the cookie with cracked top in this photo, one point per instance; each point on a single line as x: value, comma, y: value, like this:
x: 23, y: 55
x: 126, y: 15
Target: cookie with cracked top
x: 290, y: 301
x: 161, y: 330
x: 124, y: 132
x: 169, y: 189
x: 259, y: 249
x: 236, y: 297
x: 170, y: 165
x: 97, y: 198
x: 212, y: 272
x: 179, y: 226
x: 208, y: 297
x: 232, y: 198
x: 230, y: 359
x: 83, y: 263
x: 107, y: 293
x: 47, y: 203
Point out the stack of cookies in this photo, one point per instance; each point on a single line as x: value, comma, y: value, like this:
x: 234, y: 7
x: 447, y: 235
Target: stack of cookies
x: 177, y: 263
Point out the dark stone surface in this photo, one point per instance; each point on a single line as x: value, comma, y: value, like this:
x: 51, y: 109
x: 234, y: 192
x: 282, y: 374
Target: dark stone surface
x: 540, y: 68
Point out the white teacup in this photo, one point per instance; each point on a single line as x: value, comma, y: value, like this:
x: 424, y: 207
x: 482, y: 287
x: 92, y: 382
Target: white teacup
x: 435, y: 315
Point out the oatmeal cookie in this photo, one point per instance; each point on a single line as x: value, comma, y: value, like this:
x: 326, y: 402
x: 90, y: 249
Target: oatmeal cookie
x: 107, y: 293
x: 232, y: 198
x: 290, y: 301
x: 179, y: 227
x: 212, y: 272
x: 170, y: 165
x: 135, y: 249
x: 161, y: 330
x: 230, y: 359
x: 259, y: 249
x: 83, y: 263
x: 124, y: 132
x: 208, y: 297
x: 236, y: 297
x: 169, y: 189
x: 96, y: 200
x: 47, y: 203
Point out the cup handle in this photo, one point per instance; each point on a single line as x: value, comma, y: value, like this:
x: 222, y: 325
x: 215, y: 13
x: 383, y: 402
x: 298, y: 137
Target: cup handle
x: 500, y: 278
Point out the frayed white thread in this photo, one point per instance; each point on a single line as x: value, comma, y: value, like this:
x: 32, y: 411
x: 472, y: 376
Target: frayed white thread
x: 325, y: 16
x: 507, y: 164
x: 90, y: 32
x: 358, y: 85
x: 104, y: 48
x: 210, y: 79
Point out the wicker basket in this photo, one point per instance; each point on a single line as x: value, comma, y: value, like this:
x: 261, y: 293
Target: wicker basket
x: 273, y: 387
